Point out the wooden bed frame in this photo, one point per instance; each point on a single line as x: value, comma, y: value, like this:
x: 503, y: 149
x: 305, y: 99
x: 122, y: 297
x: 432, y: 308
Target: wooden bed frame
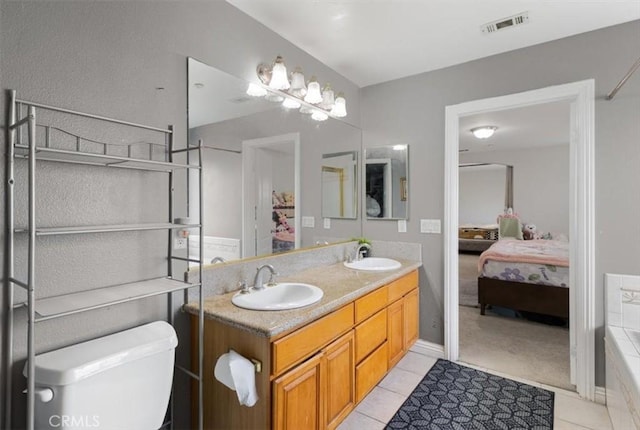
x: 542, y: 299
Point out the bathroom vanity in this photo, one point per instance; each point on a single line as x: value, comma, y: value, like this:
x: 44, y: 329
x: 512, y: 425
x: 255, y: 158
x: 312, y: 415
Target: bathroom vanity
x: 317, y: 362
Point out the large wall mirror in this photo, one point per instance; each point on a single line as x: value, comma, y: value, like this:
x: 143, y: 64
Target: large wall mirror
x: 259, y: 163
x: 386, y: 179
x: 340, y: 185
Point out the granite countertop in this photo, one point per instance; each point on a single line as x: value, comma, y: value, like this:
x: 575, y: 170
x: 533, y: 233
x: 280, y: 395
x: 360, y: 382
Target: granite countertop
x: 339, y: 284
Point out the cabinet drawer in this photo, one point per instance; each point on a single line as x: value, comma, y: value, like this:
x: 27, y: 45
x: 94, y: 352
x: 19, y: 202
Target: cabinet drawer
x: 304, y: 342
x: 371, y: 334
x: 402, y: 286
x: 370, y: 304
x: 371, y: 371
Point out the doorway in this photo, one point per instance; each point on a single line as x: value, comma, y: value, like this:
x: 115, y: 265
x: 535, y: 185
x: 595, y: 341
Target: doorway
x: 271, y: 194
x: 581, y: 213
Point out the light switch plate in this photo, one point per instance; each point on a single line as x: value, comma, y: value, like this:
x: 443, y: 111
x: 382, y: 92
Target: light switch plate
x: 430, y: 226
x: 327, y: 223
x: 308, y: 221
x: 402, y: 226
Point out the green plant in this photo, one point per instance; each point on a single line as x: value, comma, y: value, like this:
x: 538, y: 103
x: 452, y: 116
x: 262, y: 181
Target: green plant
x: 362, y: 240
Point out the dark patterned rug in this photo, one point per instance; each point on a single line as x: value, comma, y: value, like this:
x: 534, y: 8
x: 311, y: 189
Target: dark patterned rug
x: 454, y: 397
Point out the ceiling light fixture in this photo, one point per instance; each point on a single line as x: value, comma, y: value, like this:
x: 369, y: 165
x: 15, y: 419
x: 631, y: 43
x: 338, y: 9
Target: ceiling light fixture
x: 484, y: 132
x: 295, y: 94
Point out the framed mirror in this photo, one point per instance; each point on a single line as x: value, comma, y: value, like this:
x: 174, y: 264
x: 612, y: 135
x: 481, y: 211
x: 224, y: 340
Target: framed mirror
x: 340, y: 185
x: 386, y: 180
x: 260, y: 164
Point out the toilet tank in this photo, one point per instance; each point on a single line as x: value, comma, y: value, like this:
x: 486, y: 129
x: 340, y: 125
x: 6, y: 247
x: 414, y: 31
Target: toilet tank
x: 120, y: 381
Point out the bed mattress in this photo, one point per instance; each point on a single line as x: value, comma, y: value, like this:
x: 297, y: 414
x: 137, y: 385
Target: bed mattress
x: 543, y: 262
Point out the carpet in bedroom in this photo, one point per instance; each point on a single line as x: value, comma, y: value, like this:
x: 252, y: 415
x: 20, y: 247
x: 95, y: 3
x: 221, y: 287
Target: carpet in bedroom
x: 468, y: 279
x: 517, y: 347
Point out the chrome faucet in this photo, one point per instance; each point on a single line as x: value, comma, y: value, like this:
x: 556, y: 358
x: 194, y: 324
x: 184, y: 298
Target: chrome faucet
x: 215, y: 260
x: 358, y: 253
x: 258, y: 284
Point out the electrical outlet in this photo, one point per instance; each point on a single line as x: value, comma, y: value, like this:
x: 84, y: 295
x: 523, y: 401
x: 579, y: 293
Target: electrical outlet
x: 308, y: 221
x: 180, y: 243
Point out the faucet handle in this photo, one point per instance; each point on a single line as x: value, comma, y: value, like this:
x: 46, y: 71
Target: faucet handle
x: 244, y: 287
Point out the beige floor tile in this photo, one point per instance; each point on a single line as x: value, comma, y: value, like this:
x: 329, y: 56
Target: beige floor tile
x: 381, y: 404
x: 566, y: 425
x: 358, y: 421
x: 416, y: 363
x: 582, y: 412
x: 400, y: 381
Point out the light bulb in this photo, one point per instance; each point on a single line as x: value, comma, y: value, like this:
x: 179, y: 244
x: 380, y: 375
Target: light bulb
x: 319, y: 116
x: 328, y: 98
x: 279, y: 80
x: 290, y: 103
x: 298, y: 87
x: 313, y: 92
x: 339, y: 107
x: 256, y: 90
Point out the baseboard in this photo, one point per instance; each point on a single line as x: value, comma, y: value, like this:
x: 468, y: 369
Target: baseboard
x: 601, y: 395
x: 428, y: 348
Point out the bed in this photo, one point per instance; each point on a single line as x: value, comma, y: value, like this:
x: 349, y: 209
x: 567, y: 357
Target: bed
x: 472, y: 238
x: 525, y: 275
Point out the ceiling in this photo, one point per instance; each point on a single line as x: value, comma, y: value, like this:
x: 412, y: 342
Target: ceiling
x: 528, y: 127
x: 373, y: 41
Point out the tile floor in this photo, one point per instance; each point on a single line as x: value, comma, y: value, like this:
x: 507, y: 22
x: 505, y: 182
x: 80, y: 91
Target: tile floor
x: 571, y: 412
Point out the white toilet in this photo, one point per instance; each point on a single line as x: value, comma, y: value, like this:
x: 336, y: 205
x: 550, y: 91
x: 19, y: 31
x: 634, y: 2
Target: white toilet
x: 121, y: 381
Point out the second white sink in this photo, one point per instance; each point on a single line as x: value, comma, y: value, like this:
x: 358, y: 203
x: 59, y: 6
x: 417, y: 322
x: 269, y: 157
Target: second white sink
x: 284, y: 295
x: 374, y: 264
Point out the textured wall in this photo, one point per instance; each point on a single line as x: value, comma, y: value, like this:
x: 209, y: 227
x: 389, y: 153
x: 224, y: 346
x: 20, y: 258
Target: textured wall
x: 412, y: 110
x: 110, y: 58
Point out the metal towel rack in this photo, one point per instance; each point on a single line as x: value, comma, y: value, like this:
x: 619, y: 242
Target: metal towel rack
x: 43, y: 309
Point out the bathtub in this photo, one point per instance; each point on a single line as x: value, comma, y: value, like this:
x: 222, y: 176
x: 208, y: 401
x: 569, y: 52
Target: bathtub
x: 622, y: 343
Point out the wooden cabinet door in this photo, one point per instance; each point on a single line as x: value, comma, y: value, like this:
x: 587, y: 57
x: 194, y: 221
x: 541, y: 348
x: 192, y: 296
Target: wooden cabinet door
x: 339, y: 393
x: 297, y: 397
x: 411, y: 318
x: 395, y: 331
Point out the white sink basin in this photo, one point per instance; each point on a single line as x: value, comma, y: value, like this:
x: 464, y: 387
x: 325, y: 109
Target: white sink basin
x: 374, y: 264
x: 284, y: 295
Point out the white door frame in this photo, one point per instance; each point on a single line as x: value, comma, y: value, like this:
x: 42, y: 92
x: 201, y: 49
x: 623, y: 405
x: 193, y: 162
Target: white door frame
x: 249, y: 148
x: 581, y: 215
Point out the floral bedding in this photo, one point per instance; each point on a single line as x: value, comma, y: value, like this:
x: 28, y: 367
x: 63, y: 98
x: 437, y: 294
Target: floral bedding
x: 544, y: 262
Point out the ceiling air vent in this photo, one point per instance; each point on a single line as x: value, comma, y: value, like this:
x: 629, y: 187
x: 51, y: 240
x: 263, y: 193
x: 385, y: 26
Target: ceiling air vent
x: 501, y: 24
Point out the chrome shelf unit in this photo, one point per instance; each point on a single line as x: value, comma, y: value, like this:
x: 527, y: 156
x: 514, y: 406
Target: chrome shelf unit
x: 44, y: 309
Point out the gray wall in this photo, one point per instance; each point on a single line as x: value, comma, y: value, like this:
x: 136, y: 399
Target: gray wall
x: 412, y: 110
x: 481, y: 194
x: 109, y: 58
x: 540, y: 184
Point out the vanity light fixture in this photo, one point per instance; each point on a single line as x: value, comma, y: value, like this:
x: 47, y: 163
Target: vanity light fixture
x: 484, y: 132
x: 313, y: 92
x: 256, y: 90
x: 295, y: 94
x: 290, y: 103
x: 339, y: 107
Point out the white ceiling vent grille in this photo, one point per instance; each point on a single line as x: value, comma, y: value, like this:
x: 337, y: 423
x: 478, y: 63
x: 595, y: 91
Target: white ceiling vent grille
x: 502, y: 24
